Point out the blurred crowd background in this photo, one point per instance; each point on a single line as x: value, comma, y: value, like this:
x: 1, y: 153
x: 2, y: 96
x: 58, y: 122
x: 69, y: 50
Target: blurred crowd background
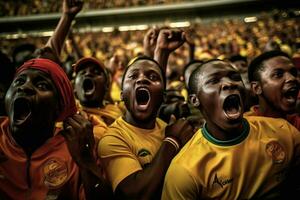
x: 29, y: 7
x: 219, y: 38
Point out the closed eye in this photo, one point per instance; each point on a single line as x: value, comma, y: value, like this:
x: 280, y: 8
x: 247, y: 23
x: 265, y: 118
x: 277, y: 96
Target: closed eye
x: 213, y: 80
x: 278, y: 73
x: 19, y: 81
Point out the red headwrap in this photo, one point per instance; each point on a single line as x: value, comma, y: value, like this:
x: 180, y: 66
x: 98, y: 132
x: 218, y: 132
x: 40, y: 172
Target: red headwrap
x: 60, y: 80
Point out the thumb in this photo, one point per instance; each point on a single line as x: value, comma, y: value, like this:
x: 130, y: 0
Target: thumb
x: 172, y: 119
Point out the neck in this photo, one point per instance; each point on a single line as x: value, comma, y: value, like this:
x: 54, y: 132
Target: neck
x: 144, y: 124
x: 266, y: 109
x: 228, y: 137
x: 93, y: 104
x: 224, y: 135
x: 31, y: 142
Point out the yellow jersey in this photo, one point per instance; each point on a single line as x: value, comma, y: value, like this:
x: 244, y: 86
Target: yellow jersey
x: 125, y: 149
x: 251, y: 166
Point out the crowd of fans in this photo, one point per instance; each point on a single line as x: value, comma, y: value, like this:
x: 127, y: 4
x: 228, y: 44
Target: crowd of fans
x: 208, y: 112
x: 29, y: 7
x: 220, y: 39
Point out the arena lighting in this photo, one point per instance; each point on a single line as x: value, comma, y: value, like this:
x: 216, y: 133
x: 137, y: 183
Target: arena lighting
x: 107, y: 29
x: 250, y: 19
x: 180, y: 24
x: 47, y: 33
x: 133, y: 27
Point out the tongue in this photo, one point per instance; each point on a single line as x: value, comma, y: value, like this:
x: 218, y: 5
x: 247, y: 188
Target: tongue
x: 88, y: 86
x: 232, y: 107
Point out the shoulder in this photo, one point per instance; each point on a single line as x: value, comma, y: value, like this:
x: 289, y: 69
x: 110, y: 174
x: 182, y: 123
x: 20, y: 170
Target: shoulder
x: 268, y: 125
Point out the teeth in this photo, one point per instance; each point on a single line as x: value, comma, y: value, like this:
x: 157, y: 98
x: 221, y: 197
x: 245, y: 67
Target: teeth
x: 142, y: 98
x: 88, y: 86
x: 232, y: 107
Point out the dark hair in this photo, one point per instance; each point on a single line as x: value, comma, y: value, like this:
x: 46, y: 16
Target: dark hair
x: 23, y: 47
x: 191, y: 63
x: 257, y: 63
x: 143, y: 57
x: 193, y: 81
x: 7, y: 70
x: 237, y: 58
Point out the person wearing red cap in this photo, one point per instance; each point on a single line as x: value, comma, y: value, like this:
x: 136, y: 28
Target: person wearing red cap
x: 91, y: 85
x: 35, y: 162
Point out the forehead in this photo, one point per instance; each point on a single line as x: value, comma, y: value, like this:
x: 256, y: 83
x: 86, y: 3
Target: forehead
x: 278, y: 62
x: 216, y: 67
x: 35, y: 73
x: 90, y: 65
x: 145, y: 65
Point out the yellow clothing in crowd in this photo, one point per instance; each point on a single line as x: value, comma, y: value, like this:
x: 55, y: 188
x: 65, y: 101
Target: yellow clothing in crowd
x: 249, y: 167
x: 125, y: 149
x: 101, y: 118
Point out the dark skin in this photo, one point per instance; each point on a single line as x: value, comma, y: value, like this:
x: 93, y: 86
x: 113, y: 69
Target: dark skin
x: 90, y: 173
x: 168, y: 41
x: 91, y: 85
x: 278, y: 76
x: 80, y: 140
x: 216, y: 82
x: 148, y: 77
x: 70, y: 9
x: 147, y: 183
x: 29, y: 126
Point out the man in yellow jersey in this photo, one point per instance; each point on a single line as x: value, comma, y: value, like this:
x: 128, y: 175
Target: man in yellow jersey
x: 231, y: 157
x: 274, y: 79
x: 138, y: 148
x: 91, y: 86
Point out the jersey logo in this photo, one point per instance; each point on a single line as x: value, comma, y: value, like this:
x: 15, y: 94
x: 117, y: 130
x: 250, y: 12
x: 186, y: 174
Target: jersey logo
x: 276, y: 152
x: 143, y: 153
x: 221, y: 182
x: 55, y: 172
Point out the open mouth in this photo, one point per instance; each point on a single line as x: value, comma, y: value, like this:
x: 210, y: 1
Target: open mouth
x: 142, y: 98
x: 291, y: 94
x: 232, y: 106
x: 88, y: 86
x: 22, y: 110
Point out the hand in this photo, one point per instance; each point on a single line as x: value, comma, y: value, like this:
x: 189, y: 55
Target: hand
x: 169, y: 40
x: 78, y: 133
x: 72, y: 7
x: 150, y: 40
x: 180, y: 129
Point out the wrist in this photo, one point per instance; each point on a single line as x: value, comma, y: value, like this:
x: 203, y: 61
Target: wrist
x: 174, y: 142
x: 161, y: 52
x: 69, y: 15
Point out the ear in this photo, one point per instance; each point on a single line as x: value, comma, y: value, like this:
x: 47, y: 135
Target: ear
x: 256, y: 87
x: 194, y: 100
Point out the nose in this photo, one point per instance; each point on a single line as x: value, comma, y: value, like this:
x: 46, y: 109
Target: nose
x: 290, y: 77
x: 142, y: 79
x: 26, y: 88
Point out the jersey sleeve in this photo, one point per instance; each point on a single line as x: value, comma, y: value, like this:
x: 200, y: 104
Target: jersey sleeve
x: 179, y: 184
x: 117, y: 158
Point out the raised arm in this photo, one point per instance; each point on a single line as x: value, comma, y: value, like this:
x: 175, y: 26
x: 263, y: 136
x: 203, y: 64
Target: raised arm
x: 147, y: 183
x: 149, y: 42
x: 190, y: 40
x: 168, y: 41
x: 57, y: 40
